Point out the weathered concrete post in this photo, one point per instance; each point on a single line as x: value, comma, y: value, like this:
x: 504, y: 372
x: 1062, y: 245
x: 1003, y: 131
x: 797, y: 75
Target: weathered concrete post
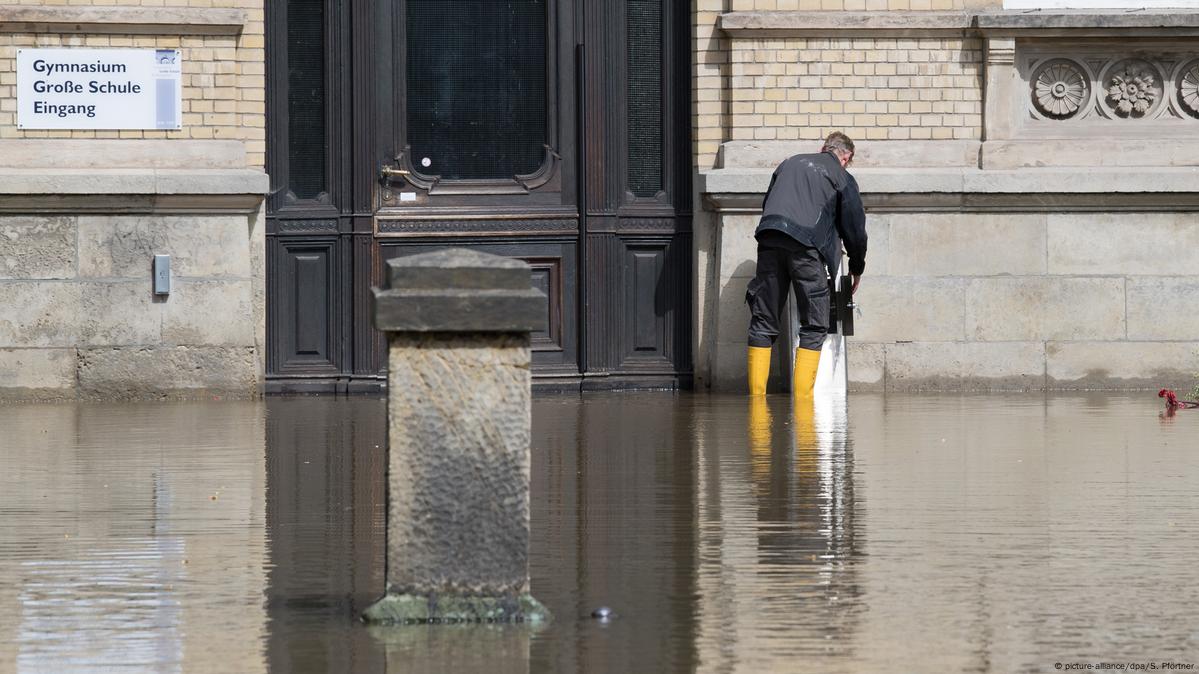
x: 458, y: 324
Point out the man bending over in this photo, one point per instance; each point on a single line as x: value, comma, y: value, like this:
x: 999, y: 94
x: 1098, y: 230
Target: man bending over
x: 812, y: 208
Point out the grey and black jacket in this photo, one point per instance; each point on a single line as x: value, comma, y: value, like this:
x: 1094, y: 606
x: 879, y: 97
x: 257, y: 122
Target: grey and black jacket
x: 816, y: 202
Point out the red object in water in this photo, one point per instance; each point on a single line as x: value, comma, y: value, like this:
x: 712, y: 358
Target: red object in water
x: 1172, y: 401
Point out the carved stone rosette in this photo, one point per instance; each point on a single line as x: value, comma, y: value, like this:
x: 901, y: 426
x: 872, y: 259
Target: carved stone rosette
x: 1133, y: 88
x: 1188, y: 88
x: 1060, y: 88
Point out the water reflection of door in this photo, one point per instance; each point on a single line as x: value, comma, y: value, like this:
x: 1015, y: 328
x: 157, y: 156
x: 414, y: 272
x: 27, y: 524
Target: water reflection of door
x: 325, y: 496
x: 549, y: 130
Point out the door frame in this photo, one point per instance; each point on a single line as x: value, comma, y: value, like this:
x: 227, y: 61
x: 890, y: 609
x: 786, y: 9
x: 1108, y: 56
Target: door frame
x: 615, y: 241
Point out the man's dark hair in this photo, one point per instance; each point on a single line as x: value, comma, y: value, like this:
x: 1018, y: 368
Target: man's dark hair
x: 838, y: 143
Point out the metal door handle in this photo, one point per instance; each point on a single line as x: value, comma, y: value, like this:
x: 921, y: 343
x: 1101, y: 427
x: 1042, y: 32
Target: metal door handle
x: 389, y: 171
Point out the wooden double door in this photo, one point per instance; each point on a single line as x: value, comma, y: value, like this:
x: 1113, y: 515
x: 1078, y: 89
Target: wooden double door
x: 554, y: 131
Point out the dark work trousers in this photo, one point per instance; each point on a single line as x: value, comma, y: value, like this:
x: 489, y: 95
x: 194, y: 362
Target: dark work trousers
x: 779, y: 267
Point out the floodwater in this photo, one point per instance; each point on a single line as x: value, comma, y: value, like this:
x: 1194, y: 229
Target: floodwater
x: 913, y: 534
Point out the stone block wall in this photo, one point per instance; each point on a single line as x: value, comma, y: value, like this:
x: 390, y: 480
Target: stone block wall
x: 80, y: 318
x: 1001, y: 301
x: 1028, y: 301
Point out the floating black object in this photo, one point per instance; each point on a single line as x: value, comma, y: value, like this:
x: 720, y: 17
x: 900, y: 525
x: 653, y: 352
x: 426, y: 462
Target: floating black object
x: 602, y: 613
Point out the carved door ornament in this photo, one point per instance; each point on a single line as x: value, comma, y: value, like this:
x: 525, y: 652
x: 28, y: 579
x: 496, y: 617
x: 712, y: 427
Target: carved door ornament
x: 433, y: 184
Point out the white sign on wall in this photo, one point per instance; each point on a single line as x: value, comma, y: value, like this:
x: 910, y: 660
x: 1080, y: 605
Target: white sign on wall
x: 99, y: 89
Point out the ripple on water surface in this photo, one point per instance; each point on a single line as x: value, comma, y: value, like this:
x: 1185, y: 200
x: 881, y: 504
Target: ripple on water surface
x: 915, y: 533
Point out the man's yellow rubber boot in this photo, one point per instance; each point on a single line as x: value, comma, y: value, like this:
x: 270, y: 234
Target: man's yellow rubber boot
x: 759, y: 369
x: 803, y: 378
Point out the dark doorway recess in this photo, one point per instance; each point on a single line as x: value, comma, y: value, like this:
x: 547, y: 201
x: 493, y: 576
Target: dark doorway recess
x: 554, y: 131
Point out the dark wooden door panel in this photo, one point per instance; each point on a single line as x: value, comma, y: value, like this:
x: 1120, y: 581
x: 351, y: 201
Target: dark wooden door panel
x: 547, y: 277
x: 643, y: 269
x: 310, y: 286
x: 654, y: 306
x: 304, y: 312
x: 554, y: 272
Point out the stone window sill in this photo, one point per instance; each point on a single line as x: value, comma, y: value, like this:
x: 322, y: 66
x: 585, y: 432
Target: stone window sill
x: 1088, y: 23
x: 46, y: 190
x: 1021, y: 23
x: 834, y: 24
x: 1175, y: 188
x: 121, y: 20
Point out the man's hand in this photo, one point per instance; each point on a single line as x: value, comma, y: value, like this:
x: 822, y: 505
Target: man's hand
x: 856, y: 278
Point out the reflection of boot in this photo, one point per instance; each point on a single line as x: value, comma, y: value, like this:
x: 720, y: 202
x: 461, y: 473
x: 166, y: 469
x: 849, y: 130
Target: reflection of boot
x: 759, y: 432
x: 759, y: 369
x: 804, y: 376
x: 807, y: 449
x: 760, y: 447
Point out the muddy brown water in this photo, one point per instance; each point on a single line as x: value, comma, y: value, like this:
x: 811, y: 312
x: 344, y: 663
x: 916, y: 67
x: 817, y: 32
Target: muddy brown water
x: 913, y: 534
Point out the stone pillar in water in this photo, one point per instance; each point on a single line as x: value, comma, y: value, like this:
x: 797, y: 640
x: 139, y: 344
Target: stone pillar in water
x: 458, y: 324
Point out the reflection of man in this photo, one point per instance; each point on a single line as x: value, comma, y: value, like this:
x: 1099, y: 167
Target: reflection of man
x: 811, y: 208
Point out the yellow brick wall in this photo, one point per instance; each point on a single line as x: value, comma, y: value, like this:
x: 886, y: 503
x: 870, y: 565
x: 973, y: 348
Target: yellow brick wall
x: 224, y: 80
x: 800, y: 88
x: 846, y: 5
x: 128, y: 3
x: 709, y: 83
x: 872, y: 89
